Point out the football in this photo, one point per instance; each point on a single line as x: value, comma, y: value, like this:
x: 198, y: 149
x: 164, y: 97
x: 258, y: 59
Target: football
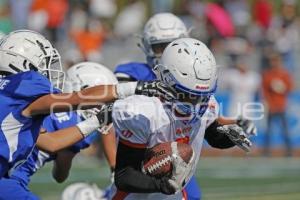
x: 158, y: 159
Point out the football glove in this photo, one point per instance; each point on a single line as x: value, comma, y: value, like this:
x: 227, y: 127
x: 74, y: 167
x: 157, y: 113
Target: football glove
x: 181, y: 172
x: 104, y: 115
x: 248, y: 126
x: 155, y: 88
x: 237, y: 135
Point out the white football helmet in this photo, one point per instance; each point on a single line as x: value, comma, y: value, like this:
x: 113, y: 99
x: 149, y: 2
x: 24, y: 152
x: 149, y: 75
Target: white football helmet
x: 189, y: 67
x: 82, y: 191
x: 26, y: 50
x: 159, y: 31
x: 88, y: 74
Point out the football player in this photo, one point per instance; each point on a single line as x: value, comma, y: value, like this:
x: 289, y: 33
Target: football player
x: 30, y: 90
x: 159, y: 31
x: 49, y: 148
x: 141, y: 122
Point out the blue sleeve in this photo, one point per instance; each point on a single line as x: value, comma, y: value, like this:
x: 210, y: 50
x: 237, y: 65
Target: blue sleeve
x: 138, y: 71
x: 85, y: 143
x: 49, y: 124
x: 30, y: 85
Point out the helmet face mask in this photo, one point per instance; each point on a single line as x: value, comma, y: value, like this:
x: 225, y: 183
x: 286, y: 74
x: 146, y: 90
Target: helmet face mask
x: 51, y: 67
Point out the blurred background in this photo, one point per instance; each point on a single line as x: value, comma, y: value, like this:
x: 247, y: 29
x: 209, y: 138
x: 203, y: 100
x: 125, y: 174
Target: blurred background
x: 257, y: 46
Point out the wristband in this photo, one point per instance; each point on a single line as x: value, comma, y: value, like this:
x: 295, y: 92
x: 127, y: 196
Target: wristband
x: 89, y: 125
x: 126, y: 89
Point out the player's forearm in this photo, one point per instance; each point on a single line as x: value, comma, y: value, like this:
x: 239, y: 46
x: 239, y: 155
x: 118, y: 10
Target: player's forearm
x: 128, y: 176
x: 134, y: 181
x: 59, y: 140
x: 67, y: 102
x: 109, y: 147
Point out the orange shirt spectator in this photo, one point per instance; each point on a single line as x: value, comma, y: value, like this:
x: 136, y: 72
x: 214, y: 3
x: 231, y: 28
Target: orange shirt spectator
x: 88, y: 42
x: 90, y: 39
x: 56, y: 10
x: 277, y: 84
x: 39, y: 5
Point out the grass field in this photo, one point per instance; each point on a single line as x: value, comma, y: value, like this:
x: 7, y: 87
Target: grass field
x: 220, y: 178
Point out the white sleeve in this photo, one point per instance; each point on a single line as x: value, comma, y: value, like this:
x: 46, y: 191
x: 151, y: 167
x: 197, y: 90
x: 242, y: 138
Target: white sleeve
x: 134, y: 118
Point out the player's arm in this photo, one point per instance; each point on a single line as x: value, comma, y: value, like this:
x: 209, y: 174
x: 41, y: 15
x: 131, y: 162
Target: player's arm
x: 62, y: 165
x: 63, y: 138
x: 109, y: 147
x: 226, y: 136
x: 217, y: 139
x: 95, y: 95
x: 128, y: 175
x: 59, y: 140
x: 65, y: 102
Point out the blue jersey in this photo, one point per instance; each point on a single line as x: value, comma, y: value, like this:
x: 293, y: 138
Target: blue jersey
x: 38, y: 158
x: 137, y: 71
x: 18, y: 134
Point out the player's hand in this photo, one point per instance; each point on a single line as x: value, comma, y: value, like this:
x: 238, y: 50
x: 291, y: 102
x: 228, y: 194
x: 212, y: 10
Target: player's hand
x: 237, y: 135
x: 181, y: 170
x: 248, y: 126
x: 104, y: 115
x: 155, y: 88
x: 167, y: 186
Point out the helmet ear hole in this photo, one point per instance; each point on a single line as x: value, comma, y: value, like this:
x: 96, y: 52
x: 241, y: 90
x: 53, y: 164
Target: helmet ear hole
x: 32, y: 67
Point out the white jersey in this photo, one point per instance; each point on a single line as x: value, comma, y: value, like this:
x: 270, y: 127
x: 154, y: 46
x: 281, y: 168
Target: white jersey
x: 142, y: 121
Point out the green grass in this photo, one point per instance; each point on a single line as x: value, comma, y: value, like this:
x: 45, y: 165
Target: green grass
x: 220, y: 178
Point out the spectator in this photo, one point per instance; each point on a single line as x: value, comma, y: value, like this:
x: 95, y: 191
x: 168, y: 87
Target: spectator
x: 277, y: 84
x: 284, y: 33
x: 103, y: 8
x: 130, y: 20
x: 90, y: 40
x: 239, y: 12
x: 262, y: 12
x: 54, y: 11
x: 19, y: 13
x: 5, y: 21
x: 243, y: 85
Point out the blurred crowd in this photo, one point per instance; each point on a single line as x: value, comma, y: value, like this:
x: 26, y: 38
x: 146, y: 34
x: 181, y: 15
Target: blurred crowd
x: 256, y: 42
